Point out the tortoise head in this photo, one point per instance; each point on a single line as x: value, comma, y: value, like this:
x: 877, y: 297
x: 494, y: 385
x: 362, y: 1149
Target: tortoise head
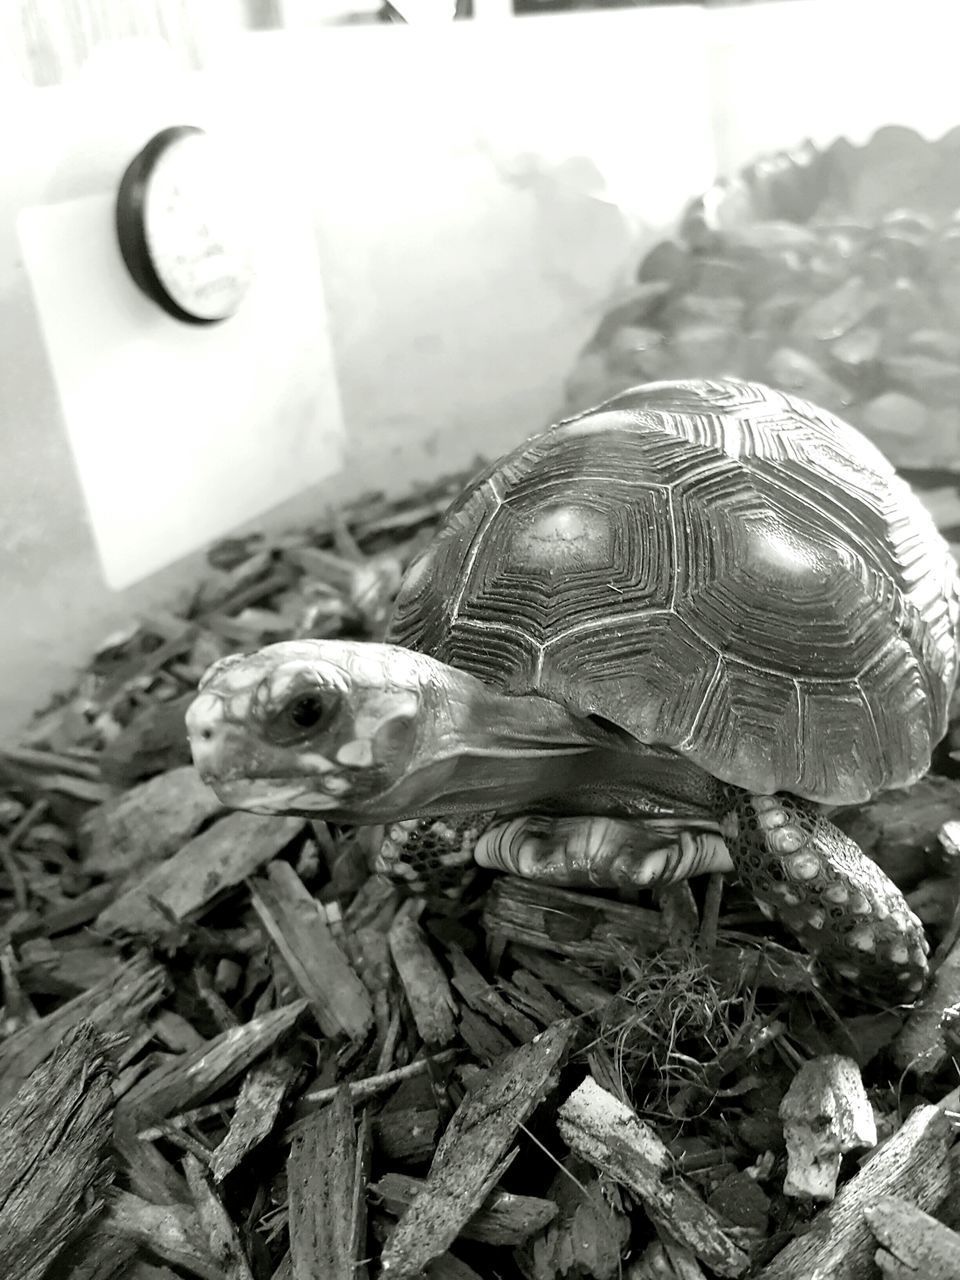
x: 362, y: 732
x: 311, y: 726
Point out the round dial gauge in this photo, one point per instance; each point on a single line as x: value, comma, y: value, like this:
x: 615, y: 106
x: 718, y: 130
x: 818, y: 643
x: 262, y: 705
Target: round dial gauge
x: 183, y: 228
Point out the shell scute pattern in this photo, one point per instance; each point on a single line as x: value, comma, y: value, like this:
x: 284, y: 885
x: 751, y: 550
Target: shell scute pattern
x: 718, y: 568
x: 640, y: 671
x: 560, y: 555
x: 735, y: 720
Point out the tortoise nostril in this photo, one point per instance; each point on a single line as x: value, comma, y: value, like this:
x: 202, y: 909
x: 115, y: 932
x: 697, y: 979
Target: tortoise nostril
x: 204, y: 719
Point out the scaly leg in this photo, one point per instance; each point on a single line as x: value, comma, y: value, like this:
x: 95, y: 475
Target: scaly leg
x: 829, y: 893
x: 422, y: 854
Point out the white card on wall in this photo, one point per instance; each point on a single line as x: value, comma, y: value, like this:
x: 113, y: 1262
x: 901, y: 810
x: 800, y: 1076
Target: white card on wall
x: 182, y: 432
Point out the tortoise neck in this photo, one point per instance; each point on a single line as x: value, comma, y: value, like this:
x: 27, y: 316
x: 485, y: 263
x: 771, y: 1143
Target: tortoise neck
x: 489, y: 750
x: 486, y: 750
x: 487, y: 723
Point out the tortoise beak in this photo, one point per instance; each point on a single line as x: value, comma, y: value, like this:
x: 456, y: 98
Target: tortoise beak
x: 272, y: 797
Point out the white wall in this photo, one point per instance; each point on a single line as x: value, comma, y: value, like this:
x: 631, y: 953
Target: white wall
x: 818, y: 69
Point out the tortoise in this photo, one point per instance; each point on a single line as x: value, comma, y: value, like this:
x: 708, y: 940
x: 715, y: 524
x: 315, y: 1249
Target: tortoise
x: 662, y: 637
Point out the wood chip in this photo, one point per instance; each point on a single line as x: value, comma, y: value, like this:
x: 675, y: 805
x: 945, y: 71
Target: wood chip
x: 115, y: 1007
x: 915, y: 1245
x: 217, y: 859
x: 579, y: 991
x: 825, y: 1114
x: 72, y: 914
x: 665, y: 1260
x: 450, y: 1267
x: 914, y: 1163
x: 547, y: 1005
x: 482, y: 1038
x: 327, y: 1174
x: 54, y: 1144
x: 147, y: 823
x: 407, y: 1135
x: 503, y: 1218
x: 590, y: 1233
x: 293, y: 920
x: 405, y: 1128
x: 424, y: 983
x: 61, y: 967
x: 193, y: 1076
x: 171, y: 1232
x: 470, y: 1154
x: 484, y: 998
x: 569, y: 923
x: 369, y: 1086
x: 607, y: 1133
x: 173, y: 1030
x: 258, y: 1105
x: 147, y: 1172
x: 219, y: 1232
x: 50, y: 762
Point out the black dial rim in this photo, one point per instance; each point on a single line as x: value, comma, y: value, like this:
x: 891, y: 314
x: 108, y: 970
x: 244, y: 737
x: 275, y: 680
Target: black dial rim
x: 131, y: 226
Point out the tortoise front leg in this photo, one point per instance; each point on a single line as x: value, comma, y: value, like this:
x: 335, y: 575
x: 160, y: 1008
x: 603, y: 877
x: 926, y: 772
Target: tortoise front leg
x: 829, y: 893
x: 424, y: 854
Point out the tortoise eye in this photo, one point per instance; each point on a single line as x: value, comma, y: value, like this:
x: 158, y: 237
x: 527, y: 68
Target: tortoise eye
x: 306, y: 712
x: 300, y: 716
x: 297, y: 699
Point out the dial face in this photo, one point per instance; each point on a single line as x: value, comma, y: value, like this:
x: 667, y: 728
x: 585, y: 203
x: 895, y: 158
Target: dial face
x: 184, y: 228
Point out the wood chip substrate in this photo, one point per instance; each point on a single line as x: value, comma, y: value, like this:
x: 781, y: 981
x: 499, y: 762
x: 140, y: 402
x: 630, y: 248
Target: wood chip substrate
x: 229, y: 1051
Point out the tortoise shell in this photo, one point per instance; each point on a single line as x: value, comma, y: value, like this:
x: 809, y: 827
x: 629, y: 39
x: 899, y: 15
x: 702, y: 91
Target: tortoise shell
x: 714, y: 567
